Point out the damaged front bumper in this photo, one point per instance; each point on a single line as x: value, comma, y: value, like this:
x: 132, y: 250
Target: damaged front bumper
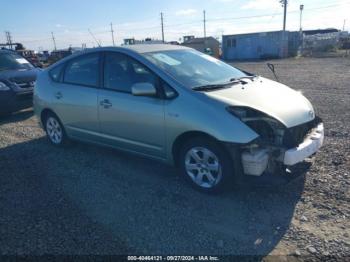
x: 310, y: 146
x: 257, y: 159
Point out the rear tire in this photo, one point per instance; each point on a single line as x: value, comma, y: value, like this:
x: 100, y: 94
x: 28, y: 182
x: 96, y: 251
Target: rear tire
x: 206, y: 165
x: 55, y: 131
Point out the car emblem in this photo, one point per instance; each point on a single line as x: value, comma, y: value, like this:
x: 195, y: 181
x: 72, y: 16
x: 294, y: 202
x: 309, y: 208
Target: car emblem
x: 311, y: 114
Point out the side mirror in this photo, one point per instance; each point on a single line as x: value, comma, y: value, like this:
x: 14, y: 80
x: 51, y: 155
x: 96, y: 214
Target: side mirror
x: 143, y: 89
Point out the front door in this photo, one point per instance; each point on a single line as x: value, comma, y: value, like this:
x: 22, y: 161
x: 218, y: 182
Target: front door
x: 133, y: 123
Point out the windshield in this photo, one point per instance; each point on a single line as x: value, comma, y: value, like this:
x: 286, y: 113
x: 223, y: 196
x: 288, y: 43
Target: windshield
x: 194, y: 69
x: 12, y: 61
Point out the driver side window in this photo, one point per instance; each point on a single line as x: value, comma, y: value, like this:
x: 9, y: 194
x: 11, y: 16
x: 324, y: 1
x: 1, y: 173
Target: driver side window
x: 122, y: 72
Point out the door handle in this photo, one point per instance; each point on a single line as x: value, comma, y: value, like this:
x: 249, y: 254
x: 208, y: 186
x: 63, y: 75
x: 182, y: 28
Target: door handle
x: 106, y: 103
x: 58, y: 95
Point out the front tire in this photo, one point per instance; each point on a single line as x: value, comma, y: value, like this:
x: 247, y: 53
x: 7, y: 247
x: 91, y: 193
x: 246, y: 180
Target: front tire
x: 206, y: 165
x: 55, y: 131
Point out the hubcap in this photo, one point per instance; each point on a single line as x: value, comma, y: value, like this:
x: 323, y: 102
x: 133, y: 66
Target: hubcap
x: 54, y: 130
x: 203, y: 167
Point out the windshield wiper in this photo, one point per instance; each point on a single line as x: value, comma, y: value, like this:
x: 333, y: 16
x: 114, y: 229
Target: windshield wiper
x: 214, y: 86
x: 243, y: 77
x: 224, y: 85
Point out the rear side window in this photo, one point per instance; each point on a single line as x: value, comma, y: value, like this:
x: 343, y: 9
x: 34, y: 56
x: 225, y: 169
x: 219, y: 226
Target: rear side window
x: 56, y: 73
x: 83, y: 70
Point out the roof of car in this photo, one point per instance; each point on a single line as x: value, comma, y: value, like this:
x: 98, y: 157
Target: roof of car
x: 142, y: 48
x: 147, y: 48
x: 5, y: 50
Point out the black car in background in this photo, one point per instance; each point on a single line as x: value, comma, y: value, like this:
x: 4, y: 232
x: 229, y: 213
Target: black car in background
x: 17, y: 78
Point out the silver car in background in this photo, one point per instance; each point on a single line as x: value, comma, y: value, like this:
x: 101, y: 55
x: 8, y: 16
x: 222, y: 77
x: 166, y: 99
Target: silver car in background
x: 214, y: 122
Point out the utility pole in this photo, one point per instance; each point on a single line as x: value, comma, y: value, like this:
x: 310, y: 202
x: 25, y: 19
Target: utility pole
x: 301, y: 40
x: 344, y: 24
x: 112, y: 31
x: 162, y: 23
x: 284, y: 4
x: 301, y: 17
x: 284, y: 42
x: 204, y: 24
x: 9, y: 38
x: 54, y: 41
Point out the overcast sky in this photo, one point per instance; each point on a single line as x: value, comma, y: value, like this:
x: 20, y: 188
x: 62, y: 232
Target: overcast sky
x: 31, y: 22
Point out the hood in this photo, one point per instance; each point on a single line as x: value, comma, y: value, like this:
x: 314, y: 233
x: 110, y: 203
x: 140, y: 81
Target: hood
x: 19, y: 76
x: 274, y: 99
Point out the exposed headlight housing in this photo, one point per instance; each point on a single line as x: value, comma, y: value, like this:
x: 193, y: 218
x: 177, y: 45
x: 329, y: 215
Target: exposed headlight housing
x: 3, y: 87
x: 269, y: 129
x: 244, y: 112
x: 239, y: 112
x: 247, y: 114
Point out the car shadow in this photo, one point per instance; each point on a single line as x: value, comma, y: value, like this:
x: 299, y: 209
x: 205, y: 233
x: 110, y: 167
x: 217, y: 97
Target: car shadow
x: 16, y: 116
x: 146, y: 205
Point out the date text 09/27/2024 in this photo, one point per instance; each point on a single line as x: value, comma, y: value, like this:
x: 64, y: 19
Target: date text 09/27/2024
x: 173, y: 258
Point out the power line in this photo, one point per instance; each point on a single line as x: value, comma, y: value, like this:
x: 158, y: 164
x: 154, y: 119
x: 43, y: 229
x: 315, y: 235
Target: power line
x: 98, y: 43
x: 209, y: 20
x: 255, y: 16
x: 274, y: 14
x: 127, y: 29
x: 215, y: 19
x: 322, y: 7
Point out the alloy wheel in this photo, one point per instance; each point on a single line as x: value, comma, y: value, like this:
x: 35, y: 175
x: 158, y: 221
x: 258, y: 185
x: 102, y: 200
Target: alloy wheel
x: 54, y: 130
x: 203, y: 167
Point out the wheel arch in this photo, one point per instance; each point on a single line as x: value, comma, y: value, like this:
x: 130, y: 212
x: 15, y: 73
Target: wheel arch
x: 184, y: 137
x: 44, y: 113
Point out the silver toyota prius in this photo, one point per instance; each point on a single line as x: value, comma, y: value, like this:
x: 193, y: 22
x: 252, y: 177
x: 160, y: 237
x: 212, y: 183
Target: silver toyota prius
x: 214, y: 122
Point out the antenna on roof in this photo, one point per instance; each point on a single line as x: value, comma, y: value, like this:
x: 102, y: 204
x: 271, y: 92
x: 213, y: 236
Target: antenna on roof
x: 98, y: 43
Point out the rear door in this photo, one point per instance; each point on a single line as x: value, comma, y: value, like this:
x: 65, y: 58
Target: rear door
x: 75, y: 98
x: 133, y: 123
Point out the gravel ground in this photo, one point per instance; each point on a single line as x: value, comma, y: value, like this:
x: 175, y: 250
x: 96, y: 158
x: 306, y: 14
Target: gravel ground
x: 90, y: 200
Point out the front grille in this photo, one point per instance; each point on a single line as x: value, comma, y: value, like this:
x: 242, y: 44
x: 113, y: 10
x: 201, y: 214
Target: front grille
x: 26, y: 85
x: 294, y: 136
x: 24, y: 82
